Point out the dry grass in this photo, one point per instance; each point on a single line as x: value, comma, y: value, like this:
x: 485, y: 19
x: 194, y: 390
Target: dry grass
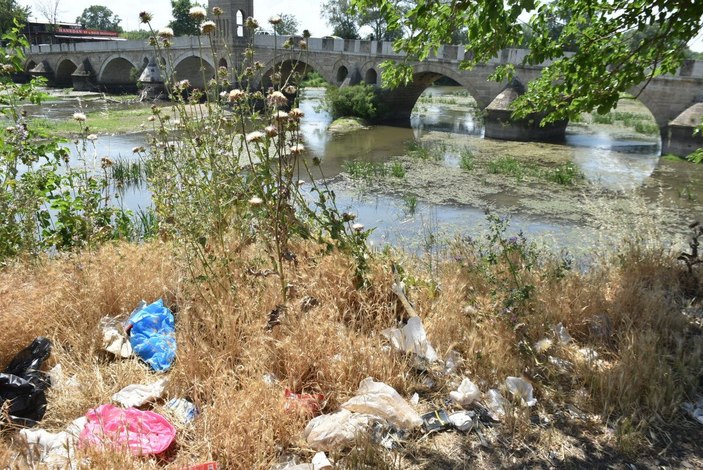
x: 628, y: 311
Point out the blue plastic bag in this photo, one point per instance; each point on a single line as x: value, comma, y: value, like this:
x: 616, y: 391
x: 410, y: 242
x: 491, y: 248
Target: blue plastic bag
x: 152, y: 335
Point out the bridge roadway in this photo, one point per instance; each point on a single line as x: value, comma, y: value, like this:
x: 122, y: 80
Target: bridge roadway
x: 118, y: 65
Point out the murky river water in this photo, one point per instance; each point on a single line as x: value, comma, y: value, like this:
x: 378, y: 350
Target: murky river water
x: 612, y: 159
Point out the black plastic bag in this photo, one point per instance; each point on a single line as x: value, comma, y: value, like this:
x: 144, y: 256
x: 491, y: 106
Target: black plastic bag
x: 23, y: 385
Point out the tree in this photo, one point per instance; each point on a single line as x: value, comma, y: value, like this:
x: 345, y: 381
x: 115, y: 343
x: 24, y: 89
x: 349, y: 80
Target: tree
x: 13, y: 12
x: 99, y: 17
x: 183, y: 24
x: 49, y: 9
x: 603, y: 66
x: 136, y: 35
x: 346, y: 20
x: 339, y: 15
x: 287, y: 26
x: 374, y: 18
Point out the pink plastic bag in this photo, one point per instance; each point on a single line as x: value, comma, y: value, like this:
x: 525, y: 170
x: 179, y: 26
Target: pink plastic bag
x: 143, y: 432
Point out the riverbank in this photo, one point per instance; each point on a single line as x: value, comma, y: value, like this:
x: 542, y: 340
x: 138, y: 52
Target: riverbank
x: 608, y: 386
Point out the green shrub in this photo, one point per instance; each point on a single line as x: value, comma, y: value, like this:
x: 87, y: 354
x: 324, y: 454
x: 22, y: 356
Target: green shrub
x: 466, y: 160
x: 566, y: 174
x: 353, y: 101
x: 603, y: 118
x: 313, y: 80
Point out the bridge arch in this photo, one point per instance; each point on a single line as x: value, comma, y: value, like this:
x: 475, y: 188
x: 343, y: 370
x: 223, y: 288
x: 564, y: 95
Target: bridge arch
x: 369, y: 73
x: 118, y: 72
x: 64, y: 68
x: 342, y: 73
x: 371, y: 77
x: 402, y: 100
x: 196, y: 69
x: 29, y: 65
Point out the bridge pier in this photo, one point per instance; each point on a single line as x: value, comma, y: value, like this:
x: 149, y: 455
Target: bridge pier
x: 43, y: 69
x: 153, y: 86
x: 84, y: 77
x: 499, y: 123
x: 678, y: 137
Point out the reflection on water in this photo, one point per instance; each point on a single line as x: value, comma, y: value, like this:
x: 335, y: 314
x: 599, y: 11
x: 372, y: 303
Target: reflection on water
x: 605, y: 160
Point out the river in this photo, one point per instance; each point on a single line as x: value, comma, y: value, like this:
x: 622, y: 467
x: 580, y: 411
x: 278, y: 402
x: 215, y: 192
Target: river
x: 626, y: 182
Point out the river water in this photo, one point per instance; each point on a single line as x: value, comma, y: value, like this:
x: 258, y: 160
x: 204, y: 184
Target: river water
x: 439, y: 201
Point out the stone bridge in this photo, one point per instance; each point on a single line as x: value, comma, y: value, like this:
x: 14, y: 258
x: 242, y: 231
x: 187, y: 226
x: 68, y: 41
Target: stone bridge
x: 114, y: 66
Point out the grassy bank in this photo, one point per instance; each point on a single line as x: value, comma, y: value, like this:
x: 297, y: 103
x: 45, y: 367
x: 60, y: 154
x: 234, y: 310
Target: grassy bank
x: 106, y: 121
x: 491, y: 302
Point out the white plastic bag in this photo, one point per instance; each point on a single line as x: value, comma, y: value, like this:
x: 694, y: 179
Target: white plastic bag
x: 336, y: 430
x: 462, y: 420
x: 452, y: 362
x: 379, y: 399
x: 496, y: 404
x: 115, y: 340
x: 562, y: 334
x: 321, y: 462
x: 136, y: 395
x: 411, y: 338
x: 522, y: 389
x: 466, y: 394
x: 55, y: 450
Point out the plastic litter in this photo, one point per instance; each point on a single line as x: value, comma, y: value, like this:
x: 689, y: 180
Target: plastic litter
x: 466, y: 394
x: 182, y: 409
x: 390, y: 440
x: 139, y: 432
x: 56, y: 450
x: 562, y: 364
x: 152, y: 335
x: 137, y: 394
x: 437, y: 420
x: 521, y: 388
x: 115, y: 339
x: 452, y: 362
x: 588, y: 354
x: 411, y: 338
x: 336, y: 430
x: 321, y: 462
x: 496, y: 404
x: 695, y: 409
x: 462, y: 420
x: 24, y: 385
x: 562, y: 334
x: 379, y: 399
x: 58, y: 378
x: 309, y: 403
x: 415, y: 399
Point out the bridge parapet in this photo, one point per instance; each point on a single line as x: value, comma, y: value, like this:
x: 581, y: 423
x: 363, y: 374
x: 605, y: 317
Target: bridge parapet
x: 181, y: 42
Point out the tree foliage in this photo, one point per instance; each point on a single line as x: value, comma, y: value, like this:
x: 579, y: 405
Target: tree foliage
x: 346, y: 20
x: 339, y: 15
x: 183, y: 24
x: 99, y: 17
x: 288, y: 25
x: 12, y: 11
x: 605, y: 62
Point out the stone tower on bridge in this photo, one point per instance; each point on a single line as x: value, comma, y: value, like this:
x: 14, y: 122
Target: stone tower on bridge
x: 230, y: 25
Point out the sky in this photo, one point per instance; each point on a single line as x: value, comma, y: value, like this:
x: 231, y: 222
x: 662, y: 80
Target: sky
x: 307, y: 13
